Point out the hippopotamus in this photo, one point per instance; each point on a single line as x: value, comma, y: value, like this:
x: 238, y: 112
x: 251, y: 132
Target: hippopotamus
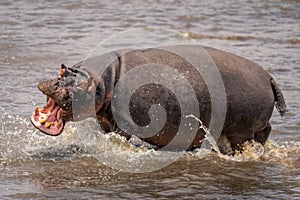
x: 251, y: 94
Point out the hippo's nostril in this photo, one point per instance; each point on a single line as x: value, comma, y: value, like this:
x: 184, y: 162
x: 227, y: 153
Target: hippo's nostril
x: 45, y: 86
x: 42, y: 86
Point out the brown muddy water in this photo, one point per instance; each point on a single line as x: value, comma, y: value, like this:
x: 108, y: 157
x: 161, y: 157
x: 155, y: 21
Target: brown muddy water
x: 37, y: 36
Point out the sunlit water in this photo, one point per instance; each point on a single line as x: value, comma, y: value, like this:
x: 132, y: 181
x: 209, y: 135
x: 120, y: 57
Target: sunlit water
x: 35, y: 38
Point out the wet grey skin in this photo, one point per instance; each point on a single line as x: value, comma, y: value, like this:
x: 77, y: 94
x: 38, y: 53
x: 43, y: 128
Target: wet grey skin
x: 251, y: 95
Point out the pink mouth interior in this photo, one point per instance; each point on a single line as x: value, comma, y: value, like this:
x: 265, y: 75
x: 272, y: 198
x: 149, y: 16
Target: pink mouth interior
x: 48, y: 119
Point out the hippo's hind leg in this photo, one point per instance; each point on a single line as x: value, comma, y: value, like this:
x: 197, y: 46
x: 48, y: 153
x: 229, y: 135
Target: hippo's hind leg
x: 262, y: 135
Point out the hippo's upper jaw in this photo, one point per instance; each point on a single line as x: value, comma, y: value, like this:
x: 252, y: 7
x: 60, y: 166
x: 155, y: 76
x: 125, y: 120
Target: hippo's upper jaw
x: 60, y: 92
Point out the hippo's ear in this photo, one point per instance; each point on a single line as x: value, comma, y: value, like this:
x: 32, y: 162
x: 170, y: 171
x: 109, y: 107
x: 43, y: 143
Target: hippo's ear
x: 62, y: 71
x: 63, y: 66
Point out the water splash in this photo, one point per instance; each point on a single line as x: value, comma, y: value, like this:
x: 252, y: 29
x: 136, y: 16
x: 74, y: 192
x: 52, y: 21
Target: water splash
x: 113, y: 150
x: 250, y: 151
x: 208, y: 136
x: 134, y: 156
x: 21, y: 141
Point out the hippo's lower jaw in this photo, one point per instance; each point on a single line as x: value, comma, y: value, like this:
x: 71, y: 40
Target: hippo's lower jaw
x: 48, y: 119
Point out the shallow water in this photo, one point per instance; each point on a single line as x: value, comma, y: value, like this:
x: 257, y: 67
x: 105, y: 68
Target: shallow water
x: 35, y: 38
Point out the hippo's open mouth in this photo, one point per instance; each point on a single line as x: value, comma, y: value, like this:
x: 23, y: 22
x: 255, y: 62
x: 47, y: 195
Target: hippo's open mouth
x: 48, y: 119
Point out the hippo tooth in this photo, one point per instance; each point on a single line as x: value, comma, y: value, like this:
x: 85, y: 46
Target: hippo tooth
x: 42, y: 119
x: 48, y: 124
x: 37, y: 111
x: 59, y: 123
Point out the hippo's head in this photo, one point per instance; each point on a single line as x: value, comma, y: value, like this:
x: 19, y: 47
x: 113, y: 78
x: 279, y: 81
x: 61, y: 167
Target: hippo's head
x: 70, y: 86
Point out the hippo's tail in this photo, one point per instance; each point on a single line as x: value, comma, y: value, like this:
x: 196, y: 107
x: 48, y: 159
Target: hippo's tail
x: 279, y: 99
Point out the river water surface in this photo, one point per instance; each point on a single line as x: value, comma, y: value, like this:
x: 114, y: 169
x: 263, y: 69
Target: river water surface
x: 37, y: 36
